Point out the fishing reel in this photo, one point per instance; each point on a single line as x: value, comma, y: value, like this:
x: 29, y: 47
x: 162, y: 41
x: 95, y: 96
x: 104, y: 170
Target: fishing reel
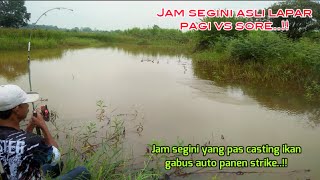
x: 44, y: 112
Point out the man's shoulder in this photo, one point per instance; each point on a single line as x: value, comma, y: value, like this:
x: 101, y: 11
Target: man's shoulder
x: 11, y: 134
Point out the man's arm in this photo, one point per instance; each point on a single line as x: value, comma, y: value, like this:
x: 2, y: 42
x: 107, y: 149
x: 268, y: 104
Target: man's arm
x: 39, y: 122
x: 48, y: 138
x: 30, y: 127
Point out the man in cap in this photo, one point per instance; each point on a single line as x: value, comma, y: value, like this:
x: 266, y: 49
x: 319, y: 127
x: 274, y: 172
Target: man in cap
x: 22, y: 153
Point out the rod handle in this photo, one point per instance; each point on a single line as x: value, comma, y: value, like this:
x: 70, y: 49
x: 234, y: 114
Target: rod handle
x: 29, y: 45
x: 37, y: 128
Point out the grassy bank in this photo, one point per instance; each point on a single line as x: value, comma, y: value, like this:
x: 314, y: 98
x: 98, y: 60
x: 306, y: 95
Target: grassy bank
x: 265, y: 59
x: 17, y: 39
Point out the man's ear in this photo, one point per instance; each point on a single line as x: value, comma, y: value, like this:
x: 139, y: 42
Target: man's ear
x: 15, y: 110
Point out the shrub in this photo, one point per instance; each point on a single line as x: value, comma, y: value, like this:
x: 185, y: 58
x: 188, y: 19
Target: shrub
x: 208, y: 38
x: 259, y: 46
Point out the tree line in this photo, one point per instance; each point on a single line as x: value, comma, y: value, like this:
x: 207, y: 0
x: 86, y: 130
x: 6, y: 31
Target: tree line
x: 13, y: 14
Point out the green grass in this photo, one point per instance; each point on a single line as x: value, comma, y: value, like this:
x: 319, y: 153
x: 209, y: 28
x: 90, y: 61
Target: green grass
x: 17, y: 39
x: 99, y: 146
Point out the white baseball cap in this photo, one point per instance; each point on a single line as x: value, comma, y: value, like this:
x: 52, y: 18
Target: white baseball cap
x: 12, y: 96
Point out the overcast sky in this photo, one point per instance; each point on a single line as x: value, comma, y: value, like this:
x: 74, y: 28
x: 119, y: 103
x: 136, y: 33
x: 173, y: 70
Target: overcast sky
x: 113, y: 15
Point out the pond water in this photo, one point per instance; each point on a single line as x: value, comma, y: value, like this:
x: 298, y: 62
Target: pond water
x: 175, y: 99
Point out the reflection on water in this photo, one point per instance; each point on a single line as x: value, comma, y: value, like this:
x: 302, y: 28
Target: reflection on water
x: 147, y: 51
x: 235, y: 93
x: 15, y: 64
x: 12, y: 65
x: 270, y: 98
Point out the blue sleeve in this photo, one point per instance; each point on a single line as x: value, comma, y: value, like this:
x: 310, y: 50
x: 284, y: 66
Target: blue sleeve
x: 43, y: 153
x: 37, y: 148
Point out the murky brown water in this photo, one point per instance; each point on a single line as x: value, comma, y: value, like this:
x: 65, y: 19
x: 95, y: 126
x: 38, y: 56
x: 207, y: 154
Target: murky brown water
x: 176, y: 100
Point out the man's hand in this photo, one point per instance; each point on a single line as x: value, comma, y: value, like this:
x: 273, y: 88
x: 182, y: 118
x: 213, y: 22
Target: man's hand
x: 39, y: 121
x: 30, y: 126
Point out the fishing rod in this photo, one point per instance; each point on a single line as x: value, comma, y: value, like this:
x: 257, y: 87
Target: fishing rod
x: 44, y: 109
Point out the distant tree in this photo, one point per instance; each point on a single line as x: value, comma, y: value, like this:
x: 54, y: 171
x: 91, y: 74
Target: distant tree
x: 155, y: 30
x: 298, y: 26
x: 75, y: 29
x: 86, y: 29
x: 156, y: 27
x: 13, y: 13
